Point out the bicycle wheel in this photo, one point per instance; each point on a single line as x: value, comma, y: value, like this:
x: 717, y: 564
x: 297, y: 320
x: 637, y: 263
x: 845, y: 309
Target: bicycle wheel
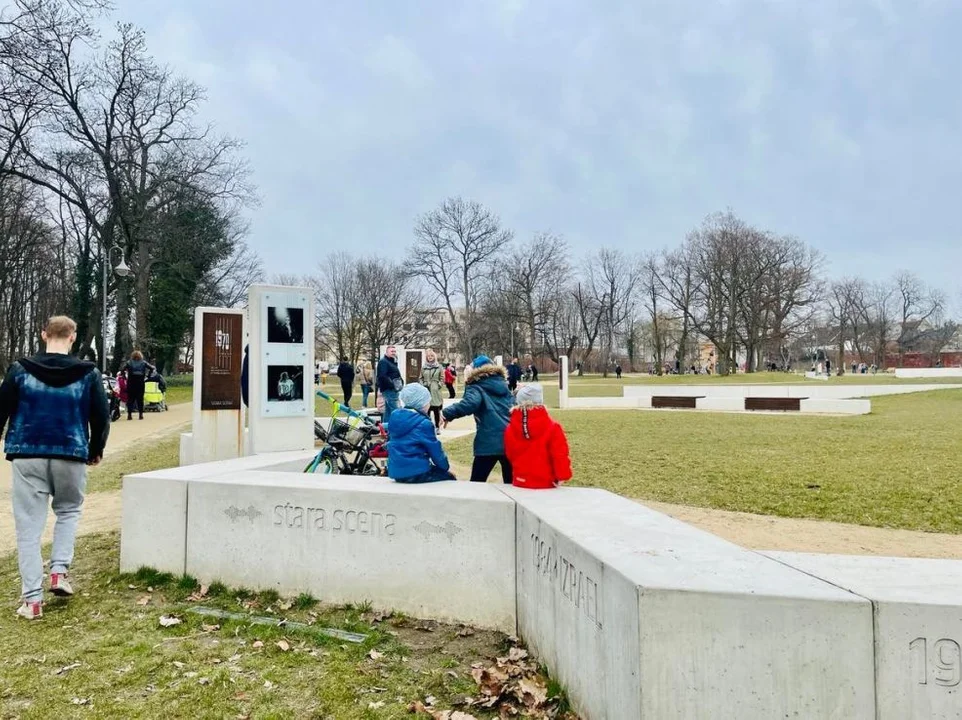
x: 323, y: 464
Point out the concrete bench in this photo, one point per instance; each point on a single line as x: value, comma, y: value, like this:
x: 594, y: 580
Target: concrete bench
x: 918, y: 627
x: 443, y: 551
x: 721, y: 404
x: 836, y: 407
x: 642, y: 616
x: 153, y: 522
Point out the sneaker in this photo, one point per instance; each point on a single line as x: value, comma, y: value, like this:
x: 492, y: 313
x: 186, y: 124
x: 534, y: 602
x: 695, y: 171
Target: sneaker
x: 60, y: 585
x: 31, y: 610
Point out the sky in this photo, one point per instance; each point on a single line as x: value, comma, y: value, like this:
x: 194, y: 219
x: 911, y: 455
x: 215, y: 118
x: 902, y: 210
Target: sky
x: 611, y: 123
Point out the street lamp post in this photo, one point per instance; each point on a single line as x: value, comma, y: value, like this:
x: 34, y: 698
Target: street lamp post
x: 122, y: 270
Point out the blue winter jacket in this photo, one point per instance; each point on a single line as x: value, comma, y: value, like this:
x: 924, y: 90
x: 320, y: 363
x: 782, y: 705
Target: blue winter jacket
x: 487, y: 397
x: 56, y: 408
x: 413, y: 445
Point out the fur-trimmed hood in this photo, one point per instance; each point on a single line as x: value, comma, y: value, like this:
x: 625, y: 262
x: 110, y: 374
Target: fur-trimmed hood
x: 484, y: 372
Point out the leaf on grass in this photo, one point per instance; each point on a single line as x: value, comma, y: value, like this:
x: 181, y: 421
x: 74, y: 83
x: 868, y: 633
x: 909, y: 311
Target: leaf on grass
x: 67, y: 668
x: 465, y: 631
x: 382, y: 615
x: 257, y: 644
x: 179, y: 665
x: 145, y: 600
x: 81, y: 701
x: 283, y: 645
x: 375, y: 655
x: 150, y: 589
x: 169, y: 621
x: 376, y: 705
x: 430, y: 700
x: 210, y: 628
x: 286, y: 605
x: 268, y: 684
x: 204, y: 681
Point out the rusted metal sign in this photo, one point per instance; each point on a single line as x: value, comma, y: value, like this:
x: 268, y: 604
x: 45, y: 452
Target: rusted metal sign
x: 223, y: 353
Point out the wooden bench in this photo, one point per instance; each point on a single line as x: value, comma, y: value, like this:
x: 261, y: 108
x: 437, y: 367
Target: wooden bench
x: 777, y: 403
x: 674, y: 401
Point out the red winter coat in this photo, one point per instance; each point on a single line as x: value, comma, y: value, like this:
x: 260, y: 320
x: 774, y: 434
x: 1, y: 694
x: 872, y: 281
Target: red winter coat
x: 537, y: 449
x: 449, y: 376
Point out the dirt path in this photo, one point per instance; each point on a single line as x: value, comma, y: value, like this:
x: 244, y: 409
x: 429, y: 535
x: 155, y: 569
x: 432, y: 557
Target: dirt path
x: 101, y: 510
x: 762, y: 532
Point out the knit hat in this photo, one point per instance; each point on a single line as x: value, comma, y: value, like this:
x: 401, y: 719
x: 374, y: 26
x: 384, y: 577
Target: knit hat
x: 481, y: 361
x: 415, y: 396
x: 530, y: 394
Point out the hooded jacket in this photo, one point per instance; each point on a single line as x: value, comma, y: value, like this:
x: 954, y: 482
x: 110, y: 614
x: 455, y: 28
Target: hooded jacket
x: 56, y: 408
x: 487, y: 397
x: 413, y: 445
x: 388, y: 375
x: 537, y: 449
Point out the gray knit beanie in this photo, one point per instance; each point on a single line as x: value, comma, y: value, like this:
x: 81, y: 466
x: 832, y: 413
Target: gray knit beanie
x: 415, y: 396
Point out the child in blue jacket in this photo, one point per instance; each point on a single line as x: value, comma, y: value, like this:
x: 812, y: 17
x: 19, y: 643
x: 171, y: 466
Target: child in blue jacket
x: 414, y: 453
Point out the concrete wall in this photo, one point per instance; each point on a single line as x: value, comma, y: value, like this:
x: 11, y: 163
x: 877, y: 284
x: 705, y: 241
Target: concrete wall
x: 918, y: 628
x: 813, y: 390
x: 642, y: 616
x: 928, y: 372
x: 637, y: 614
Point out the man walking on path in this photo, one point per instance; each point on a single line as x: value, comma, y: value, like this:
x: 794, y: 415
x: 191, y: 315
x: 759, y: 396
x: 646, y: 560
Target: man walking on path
x: 389, y: 382
x: 514, y: 375
x: 59, y: 420
x: 346, y: 373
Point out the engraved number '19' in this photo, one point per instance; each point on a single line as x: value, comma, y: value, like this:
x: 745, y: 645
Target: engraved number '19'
x: 946, y: 662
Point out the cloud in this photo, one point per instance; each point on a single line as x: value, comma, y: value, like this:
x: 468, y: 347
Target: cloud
x: 395, y: 59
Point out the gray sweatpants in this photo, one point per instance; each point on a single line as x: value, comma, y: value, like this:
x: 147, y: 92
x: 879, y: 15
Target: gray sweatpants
x: 34, y: 483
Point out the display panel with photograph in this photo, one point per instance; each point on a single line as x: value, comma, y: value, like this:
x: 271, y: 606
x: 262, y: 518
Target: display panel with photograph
x: 285, y: 325
x: 285, y: 383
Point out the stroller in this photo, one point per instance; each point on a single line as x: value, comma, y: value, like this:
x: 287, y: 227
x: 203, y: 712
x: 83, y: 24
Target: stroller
x: 155, y: 399
x: 354, y: 446
x: 112, y: 390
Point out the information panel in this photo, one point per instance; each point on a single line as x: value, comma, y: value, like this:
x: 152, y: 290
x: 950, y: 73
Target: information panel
x: 223, y: 354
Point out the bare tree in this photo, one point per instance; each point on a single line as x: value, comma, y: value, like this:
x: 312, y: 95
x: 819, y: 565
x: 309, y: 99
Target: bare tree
x: 916, y: 304
x: 535, y: 276
x: 389, y: 306
x: 455, y: 246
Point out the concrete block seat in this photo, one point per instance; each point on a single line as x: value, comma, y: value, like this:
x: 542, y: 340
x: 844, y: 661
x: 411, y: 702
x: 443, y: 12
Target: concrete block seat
x: 642, y: 616
x: 443, y: 551
x: 918, y: 627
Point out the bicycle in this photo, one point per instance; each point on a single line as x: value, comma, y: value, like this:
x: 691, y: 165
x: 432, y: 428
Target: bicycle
x: 351, y: 448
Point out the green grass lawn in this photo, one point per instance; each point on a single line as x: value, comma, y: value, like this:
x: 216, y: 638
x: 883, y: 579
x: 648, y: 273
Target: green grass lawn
x: 155, y: 454
x: 105, y: 654
x: 898, y: 467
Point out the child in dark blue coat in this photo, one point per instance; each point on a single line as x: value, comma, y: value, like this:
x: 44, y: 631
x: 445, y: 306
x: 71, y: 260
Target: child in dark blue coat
x: 414, y: 452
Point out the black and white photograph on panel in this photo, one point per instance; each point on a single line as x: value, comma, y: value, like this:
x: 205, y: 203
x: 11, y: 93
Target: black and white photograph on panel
x: 285, y: 383
x: 285, y: 325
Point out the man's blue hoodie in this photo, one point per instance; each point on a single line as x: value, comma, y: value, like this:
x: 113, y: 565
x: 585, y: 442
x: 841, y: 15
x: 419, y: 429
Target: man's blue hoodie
x: 413, y: 445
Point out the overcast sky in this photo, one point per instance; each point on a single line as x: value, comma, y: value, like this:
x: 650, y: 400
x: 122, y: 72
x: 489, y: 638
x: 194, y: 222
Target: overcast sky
x: 617, y: 123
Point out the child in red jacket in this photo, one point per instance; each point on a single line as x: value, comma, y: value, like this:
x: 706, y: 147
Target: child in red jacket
x: 535, y: 444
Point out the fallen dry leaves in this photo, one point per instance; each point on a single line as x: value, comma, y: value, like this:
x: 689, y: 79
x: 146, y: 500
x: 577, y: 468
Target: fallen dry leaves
x: 513, y: 686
